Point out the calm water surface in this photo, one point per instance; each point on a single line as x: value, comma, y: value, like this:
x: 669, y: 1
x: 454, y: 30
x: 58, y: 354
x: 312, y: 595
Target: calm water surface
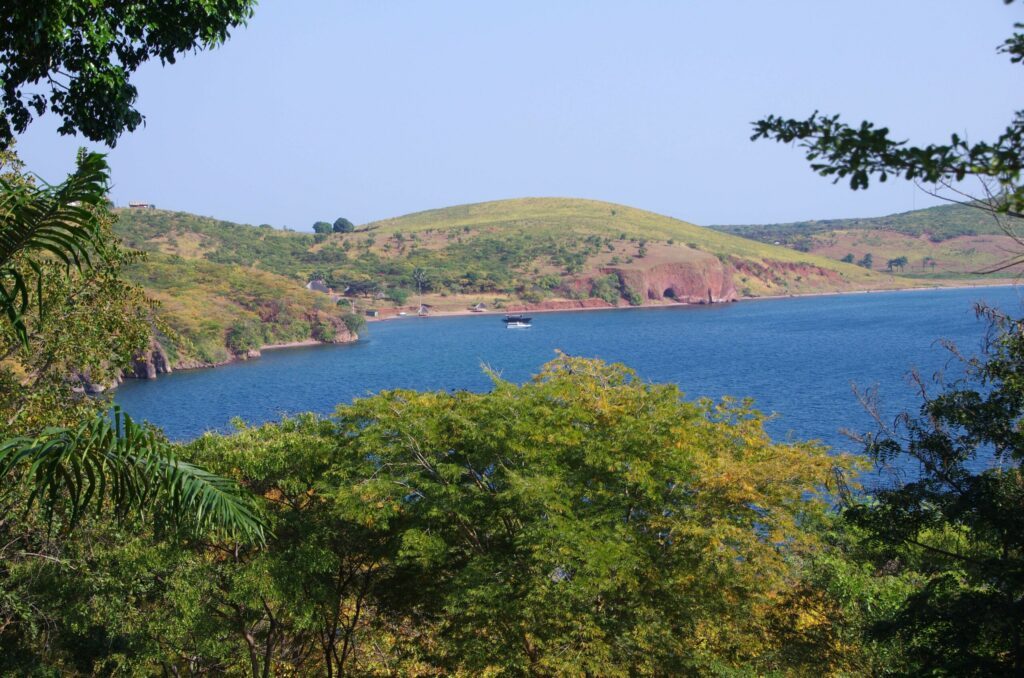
x: 796, y: 357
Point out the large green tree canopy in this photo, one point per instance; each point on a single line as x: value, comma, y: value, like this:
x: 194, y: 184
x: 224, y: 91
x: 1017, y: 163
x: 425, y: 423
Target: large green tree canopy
x: 76, y: 58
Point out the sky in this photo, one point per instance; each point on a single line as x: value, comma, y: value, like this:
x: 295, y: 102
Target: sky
x: 370, y: 109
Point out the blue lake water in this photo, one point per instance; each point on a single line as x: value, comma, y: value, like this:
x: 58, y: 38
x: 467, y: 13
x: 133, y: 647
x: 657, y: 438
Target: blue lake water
x: 796, y: 357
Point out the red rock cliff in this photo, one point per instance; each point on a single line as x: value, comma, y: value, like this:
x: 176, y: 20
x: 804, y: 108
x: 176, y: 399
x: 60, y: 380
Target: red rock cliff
x: 701, y: 280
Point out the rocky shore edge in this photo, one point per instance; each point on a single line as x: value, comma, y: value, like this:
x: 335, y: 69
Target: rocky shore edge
x: 154, y: 360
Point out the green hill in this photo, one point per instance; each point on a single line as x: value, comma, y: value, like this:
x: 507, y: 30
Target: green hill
x: 939, y: 223
x: 229, y: 288
x: 578, y: 239
x: 948, y: 241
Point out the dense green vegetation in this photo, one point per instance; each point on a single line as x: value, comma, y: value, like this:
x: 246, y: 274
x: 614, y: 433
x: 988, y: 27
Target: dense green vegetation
x: 69, y: 317
x: 583, y: 522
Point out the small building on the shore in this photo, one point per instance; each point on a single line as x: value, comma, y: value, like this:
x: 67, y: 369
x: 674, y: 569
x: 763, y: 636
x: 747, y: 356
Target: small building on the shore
x: 425, y: 309
x: 318, y: 286
x: 371, y: 313
x: 479, y: 308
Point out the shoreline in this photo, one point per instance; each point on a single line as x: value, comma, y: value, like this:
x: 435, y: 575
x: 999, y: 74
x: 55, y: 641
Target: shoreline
x: 291, y: 344
x: 774, y: 297
x: 303, y: 343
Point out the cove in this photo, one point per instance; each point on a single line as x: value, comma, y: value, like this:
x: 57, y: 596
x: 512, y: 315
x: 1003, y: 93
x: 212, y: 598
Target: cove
x: 795, y: 357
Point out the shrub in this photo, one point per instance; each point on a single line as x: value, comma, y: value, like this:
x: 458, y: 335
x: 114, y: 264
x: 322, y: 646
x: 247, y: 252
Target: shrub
x: 632, y: 296
x: 244, y: 335
x: 606, y: 288
x: 355, y: 323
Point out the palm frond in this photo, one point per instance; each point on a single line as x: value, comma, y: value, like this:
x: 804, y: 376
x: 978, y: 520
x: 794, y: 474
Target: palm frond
x: 50, y: 220
x: 113, y: 459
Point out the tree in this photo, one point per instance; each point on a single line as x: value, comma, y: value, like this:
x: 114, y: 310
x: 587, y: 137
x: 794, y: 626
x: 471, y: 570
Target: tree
x: 398, y: 295
x: 867, y: 261
x: 586, y: 522
x: 354, y: 322
x: 76, y: 59
x: 606, y: 287
x: 962, y: 518
x: 322, y: 227
x: 343, y: 225
x: 898, y: 262
x: 848, y: 259
x: 422, y: 280
x: 958, y: 523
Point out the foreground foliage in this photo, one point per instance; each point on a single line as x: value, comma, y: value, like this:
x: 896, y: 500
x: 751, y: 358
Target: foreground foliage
x: 962, y: 522
x: 69, y: 318
x: 75, y: 58
x: 585, y: 521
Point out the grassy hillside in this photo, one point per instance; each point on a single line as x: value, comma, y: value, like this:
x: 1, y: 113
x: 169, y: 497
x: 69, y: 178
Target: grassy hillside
x: 230, y: 287
x: 223, y: 311
x: 939, y: 223
x: 578, y: 238
x: 948, y: 241
x: 557, y: 217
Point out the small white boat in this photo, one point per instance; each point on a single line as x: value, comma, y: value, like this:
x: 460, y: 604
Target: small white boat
x: 513, y: 322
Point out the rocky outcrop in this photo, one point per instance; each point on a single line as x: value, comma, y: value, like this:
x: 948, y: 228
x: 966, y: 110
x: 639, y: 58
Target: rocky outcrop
x: 84, y: 382
x: 702, y: 280
x: 779, y: 272
x: 150, y: 362
x: 330, y: 329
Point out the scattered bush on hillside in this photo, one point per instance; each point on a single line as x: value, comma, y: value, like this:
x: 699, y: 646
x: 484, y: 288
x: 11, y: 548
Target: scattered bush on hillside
x: 244, y: 335
x: 354, y: 322
x: 398, y: 295
x: 606, y: 288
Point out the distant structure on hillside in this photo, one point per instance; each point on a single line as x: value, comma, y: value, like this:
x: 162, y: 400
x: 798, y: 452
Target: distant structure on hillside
x: 138, y: 205
x: 318, y: 286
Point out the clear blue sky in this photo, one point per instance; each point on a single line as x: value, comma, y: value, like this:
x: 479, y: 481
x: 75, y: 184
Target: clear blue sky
x: 374, y: 108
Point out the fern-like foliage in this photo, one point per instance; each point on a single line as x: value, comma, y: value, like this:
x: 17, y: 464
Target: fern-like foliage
x: 38, y: 220
x: 111, y: 461
x: 108, y: 460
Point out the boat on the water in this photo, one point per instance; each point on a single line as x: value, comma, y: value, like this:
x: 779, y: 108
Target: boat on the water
x: 516, y: 321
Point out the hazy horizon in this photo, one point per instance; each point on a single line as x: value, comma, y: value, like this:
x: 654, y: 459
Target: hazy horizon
x: 374, y: 110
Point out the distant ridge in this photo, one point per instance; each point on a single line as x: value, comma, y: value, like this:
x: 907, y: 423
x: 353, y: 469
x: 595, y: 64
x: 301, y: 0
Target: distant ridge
x: 942, y: 242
